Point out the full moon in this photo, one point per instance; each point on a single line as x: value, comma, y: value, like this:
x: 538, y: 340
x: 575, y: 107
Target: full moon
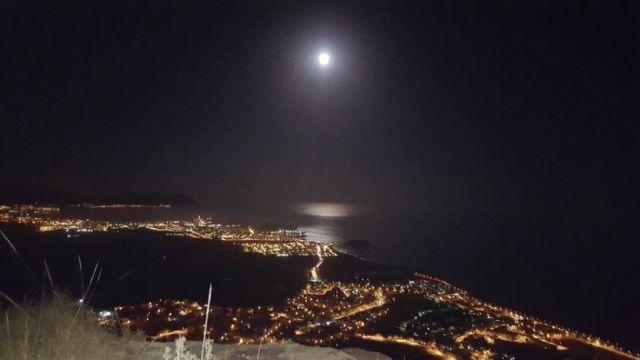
x: 323, y: 59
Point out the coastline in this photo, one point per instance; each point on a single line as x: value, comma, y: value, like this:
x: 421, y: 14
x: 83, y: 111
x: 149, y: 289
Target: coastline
x: 341, y: 273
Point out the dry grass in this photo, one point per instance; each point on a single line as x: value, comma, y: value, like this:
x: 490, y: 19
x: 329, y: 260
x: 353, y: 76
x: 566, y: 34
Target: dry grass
x: 58, y: 329
x: 180, y: 351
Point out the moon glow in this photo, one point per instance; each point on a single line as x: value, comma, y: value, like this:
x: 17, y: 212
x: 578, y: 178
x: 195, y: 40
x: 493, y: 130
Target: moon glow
x: 323, y: 59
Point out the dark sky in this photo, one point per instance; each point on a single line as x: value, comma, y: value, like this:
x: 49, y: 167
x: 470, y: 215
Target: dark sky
x: 432, y: 106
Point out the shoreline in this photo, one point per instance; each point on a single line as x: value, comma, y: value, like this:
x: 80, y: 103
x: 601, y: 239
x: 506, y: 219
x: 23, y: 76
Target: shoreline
x: 451, y: 289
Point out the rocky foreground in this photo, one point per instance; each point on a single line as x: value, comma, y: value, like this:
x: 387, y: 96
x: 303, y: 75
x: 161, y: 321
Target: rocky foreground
x: 155, y: 351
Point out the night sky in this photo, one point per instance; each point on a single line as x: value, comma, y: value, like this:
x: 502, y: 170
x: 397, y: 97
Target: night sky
x: 524, y: 107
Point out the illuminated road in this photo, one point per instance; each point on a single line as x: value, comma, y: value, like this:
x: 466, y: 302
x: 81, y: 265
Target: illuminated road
x: 315, y: 277
x: 429, y: 347
x: 380, y: 300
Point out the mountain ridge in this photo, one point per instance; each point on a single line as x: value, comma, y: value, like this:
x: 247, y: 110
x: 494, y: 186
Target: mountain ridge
x: 63, y: 197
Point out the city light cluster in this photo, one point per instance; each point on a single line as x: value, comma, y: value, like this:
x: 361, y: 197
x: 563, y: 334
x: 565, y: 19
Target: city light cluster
x: 418, y: 311
x: 277, y: 242
x: 335, y: 313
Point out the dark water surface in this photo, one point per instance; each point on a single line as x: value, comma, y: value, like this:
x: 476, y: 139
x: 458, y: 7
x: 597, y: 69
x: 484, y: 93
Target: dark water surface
x: 579, y: 274
x: 145, y: 266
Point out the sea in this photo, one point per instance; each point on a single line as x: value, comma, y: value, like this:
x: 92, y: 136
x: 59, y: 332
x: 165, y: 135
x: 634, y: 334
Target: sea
x: 583, y: 275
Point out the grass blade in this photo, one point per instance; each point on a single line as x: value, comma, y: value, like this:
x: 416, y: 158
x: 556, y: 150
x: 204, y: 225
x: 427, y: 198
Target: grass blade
x: 206, y: 322
x: 15, y: 251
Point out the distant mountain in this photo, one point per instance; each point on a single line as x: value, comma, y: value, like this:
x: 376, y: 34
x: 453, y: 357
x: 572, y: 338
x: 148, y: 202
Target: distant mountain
x: 38, y: 195
x: 62, y: 197
x: 150, y: 198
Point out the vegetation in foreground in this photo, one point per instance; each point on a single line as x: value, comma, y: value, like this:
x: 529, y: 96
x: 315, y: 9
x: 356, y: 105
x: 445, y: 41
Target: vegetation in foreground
x: 59, y: 328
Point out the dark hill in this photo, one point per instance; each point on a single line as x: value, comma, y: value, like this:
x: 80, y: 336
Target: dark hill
x: 62, y: 197
x: 150, y: 198
x: 38, y: 195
